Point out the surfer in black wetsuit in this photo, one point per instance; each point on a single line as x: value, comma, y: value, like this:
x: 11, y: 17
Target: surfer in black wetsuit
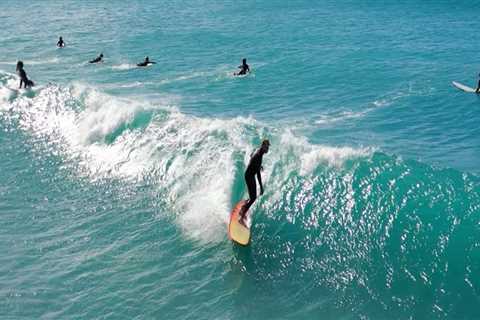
x: 97, y: 59
x: 145, y: 63
x: 244, y: 68
x: 253, y: 169
x: 23, y: 76
x: 60, y: 43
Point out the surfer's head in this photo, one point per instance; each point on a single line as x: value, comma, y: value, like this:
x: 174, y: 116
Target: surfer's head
x: 265, y: 146
x: 146, y: 58
x: 101, y: 55
x: 244, y: 61
x: 19, y: 65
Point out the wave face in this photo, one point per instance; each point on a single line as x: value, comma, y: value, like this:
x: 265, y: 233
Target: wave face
x: 340, y: 231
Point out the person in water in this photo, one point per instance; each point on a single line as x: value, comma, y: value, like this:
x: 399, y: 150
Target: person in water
x: 478, y: 85
x: 244, y: 68
x: 145, y: 63
x: 253, y: 169
x: 23, y: 76
x: 60, y: 43
x: 97, y: 59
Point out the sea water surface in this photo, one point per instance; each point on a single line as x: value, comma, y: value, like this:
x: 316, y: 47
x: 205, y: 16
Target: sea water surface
x: 116, y: 182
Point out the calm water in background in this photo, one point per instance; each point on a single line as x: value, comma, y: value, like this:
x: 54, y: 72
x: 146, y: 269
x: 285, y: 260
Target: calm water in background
x: 116, y: 182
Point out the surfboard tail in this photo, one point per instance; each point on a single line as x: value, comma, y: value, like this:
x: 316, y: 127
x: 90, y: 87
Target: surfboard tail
x: 237, y: 232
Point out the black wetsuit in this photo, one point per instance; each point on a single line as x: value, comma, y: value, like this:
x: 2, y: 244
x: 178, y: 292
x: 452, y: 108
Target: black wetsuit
x: 244, y: 68
x: 60, y: 44
x: 23, y: 79
x: 96, y: 60
x: 145, y: 63
x: 253, y: 170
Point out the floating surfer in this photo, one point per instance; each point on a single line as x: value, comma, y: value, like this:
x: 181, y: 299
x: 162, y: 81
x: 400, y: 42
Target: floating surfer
x: 97, y: 59
x: 27, y: 83
x: 465, y: 88
x: 244, y: 68
x: 253, y: 169
x: 478, y: 85
x: 60, y: 43
x: 145, y: 63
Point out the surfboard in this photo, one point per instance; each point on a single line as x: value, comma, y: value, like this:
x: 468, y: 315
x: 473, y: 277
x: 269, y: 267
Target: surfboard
x: 463, y: 87
x: 236, y: 231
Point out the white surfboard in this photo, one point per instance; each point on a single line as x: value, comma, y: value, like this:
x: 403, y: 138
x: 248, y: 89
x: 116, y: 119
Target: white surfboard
x: 463, y: 87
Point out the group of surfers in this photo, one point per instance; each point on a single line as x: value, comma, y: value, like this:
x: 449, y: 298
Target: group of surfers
x: 244, y: 67
x: 254, y: 167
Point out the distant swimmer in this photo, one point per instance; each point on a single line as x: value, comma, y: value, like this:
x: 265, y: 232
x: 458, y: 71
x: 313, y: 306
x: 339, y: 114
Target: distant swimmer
x: 253, y: 169
x: 145, y: 63
x: 244, y: 68
x: 23, y: 76
x: 97, y: 59
x: 60, y: 43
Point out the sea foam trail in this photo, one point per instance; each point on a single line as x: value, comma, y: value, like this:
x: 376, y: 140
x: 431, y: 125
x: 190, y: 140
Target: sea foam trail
x: 124, y: 66
x: 196, y: 161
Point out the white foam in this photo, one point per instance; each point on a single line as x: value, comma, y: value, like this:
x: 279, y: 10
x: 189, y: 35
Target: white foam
x: 307, y: 156
x: 193, y: 158
x: 124, y: 66
x: 345, y: 115
x: 7, y: 90
x: 390, y: 98
x: 218, y: 73
x: 37, y: 62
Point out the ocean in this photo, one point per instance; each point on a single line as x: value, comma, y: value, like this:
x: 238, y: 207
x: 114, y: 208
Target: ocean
x: 116, y: 182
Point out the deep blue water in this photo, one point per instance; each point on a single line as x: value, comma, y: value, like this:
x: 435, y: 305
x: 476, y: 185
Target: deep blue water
x: 116, y: 182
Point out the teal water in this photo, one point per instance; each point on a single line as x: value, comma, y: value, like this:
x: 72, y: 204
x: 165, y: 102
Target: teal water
x: 116, y: 182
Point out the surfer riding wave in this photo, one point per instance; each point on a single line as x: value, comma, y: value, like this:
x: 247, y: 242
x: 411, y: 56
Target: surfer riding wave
x: 253, y: 169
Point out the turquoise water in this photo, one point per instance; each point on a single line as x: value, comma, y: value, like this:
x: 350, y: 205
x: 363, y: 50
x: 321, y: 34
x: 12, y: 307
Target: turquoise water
x: 116, y: 182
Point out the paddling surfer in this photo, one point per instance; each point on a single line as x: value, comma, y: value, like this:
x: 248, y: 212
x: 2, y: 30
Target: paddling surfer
x: 145, y: 63
x: 97, y: 59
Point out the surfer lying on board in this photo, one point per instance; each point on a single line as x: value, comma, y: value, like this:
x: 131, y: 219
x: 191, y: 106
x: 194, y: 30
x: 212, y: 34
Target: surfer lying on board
x: 253, y: 169
x: 23, y: 76
x: 145, y: 63
x: 244, y: 68
x: 97, y: 59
